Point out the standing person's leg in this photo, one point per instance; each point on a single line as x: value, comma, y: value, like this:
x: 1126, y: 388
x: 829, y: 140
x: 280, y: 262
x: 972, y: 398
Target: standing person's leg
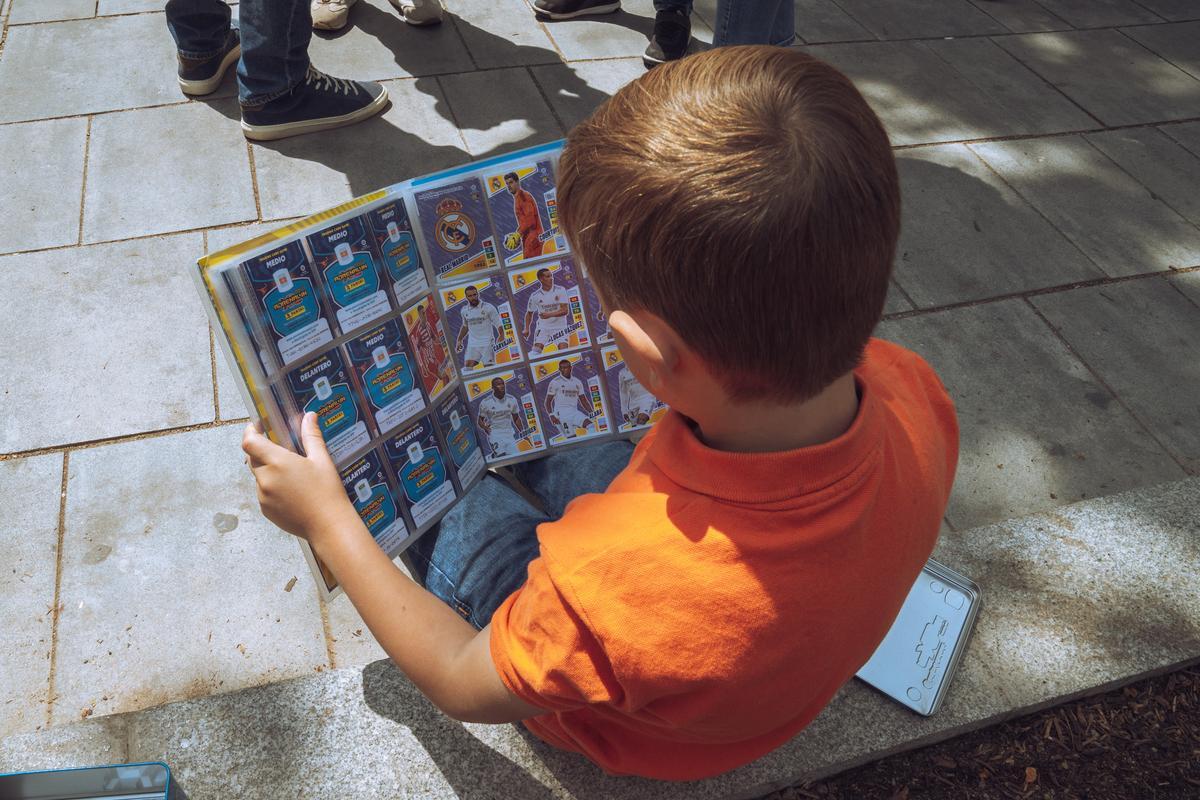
x: 672, y: 32
x: 206, y: 43
x: 281, y: 93
x: 757, y: 22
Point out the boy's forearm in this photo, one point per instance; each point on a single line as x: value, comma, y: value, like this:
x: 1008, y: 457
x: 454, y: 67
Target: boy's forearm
x: 417, y: 630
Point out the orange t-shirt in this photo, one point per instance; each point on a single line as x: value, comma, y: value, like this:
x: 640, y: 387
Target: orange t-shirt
x: 709, y: 604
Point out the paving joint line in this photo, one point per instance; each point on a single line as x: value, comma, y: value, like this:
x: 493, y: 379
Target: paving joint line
x: 56, y: 609
x: 327, y: 630
x: 1046, y: 80
x: 1153, y: 52
x: 1100, y: 379
x: 1153, y: 195
x: 88, y: 444
x: 87, y: 149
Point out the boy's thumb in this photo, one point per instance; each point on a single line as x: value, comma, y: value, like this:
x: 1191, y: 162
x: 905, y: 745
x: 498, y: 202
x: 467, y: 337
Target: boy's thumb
x: 311, y: 438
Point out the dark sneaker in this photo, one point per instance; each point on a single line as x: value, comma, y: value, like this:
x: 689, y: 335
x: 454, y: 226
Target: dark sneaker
x: 319, y: 103
x: 567, y: 9
x: 203, y: 75
x: 670, y: 40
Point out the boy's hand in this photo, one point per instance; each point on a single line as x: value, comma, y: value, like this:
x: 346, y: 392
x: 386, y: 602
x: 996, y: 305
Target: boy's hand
x: 301, y: 494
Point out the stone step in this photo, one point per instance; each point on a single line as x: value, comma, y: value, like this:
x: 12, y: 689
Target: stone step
x: 1078, y: 601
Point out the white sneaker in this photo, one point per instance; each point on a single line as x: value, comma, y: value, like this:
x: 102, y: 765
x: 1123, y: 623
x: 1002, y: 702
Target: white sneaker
x: 330, y: 15
x: 419, y: 12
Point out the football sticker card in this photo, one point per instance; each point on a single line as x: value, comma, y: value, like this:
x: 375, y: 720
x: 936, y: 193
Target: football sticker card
x: 457, y: 232
x: 322, y: 385
x: 633, y: 407
x: 570, y: 397
x: 387, y: 374
x: 524, y: 205
x: 397, y: 248
x: 416, y: 457
x: 479, y: 324
x: 288, y: 304
x: 428, y: 342
x: 459, y: 434
x: 504, y: 409
x: 367, y: 487
x: 596, y: 319
x: 342, y: 253
x: 549, y: 308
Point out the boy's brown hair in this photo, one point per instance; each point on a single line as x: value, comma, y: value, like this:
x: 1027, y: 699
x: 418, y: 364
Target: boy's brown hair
x: 748, y: 197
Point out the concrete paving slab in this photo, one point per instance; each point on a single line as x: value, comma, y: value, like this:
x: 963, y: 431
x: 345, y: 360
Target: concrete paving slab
x: 574, y: 90
x: 825, y: 21
x: 305, y: 174
x: 1174, y: 10
x: 1189, y: 284
x: 1178, y: 43
x: 99, y: 741
x: 1157, y: 377
x: 94, y: 65
x: 499, y: 110
x: 624, y: 33
x: 1187, y: 134
x: 921, y: 18
x: 1022, y: 16
x: 134, y: 356
x: 378, y: 45
x: 1167, y: 169
x: 350, y: 640
x: 23, y: 12
x: 108, y: 7
x: 41, y: 168
x: 943, y: 91
x: 163, y: 539
x: 1115, y: 220
x: 1037, y: 429
x: 502, y: 33
x: 193, y: 172
x: 1115, y: 79
x: 230, y: 404
x: 896, y: 302
x: 29, y: 499
x: 1101, y: 13
x: 966, y: 235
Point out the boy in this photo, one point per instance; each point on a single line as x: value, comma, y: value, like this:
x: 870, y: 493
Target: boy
x: 738, y: 211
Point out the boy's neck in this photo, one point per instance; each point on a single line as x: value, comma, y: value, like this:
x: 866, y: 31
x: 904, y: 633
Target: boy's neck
x: 755, y: 427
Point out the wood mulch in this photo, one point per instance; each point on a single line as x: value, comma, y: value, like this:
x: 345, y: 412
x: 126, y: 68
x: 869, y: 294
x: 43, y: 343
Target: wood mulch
x: 1137, y: 743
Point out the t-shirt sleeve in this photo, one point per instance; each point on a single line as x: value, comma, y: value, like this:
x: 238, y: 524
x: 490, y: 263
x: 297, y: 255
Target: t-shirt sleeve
x: 544, y: 651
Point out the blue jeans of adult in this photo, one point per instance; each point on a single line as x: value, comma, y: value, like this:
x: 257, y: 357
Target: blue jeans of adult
x: 479, y: 553
x: 746, y: 21
x: 275, y: 36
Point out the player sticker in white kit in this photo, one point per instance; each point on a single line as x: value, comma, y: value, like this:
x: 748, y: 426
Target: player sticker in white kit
x: 632, y: 405
x: 479, y: 323
x: 503, y: 408
x: 569, y: 392
x: 549, y: 308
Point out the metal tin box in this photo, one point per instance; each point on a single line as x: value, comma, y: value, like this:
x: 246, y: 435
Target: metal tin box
x: 918, y: 657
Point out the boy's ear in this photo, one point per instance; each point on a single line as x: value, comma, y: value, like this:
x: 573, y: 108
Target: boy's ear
x: 649, y: 345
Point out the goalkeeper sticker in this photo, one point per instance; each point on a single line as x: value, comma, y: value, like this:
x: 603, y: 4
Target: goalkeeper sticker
x: 503, y: 406
x: 524, y: 205
x: 374, y: 499
x: 549, y: 308
x: 633, y: 406
x: 570, y: 395
x: 454, y: 222
x: 479, y: 324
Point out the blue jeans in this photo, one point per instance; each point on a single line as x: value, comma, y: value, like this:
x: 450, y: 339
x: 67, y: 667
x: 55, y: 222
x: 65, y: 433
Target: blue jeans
x: 275, y: 36
x: 746, y: 21
x: 478, y: 556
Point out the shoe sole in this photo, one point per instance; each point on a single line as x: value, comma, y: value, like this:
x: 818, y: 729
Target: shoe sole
x: 605, y: 9
x: 269, y: 133
x: 210, y: 85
